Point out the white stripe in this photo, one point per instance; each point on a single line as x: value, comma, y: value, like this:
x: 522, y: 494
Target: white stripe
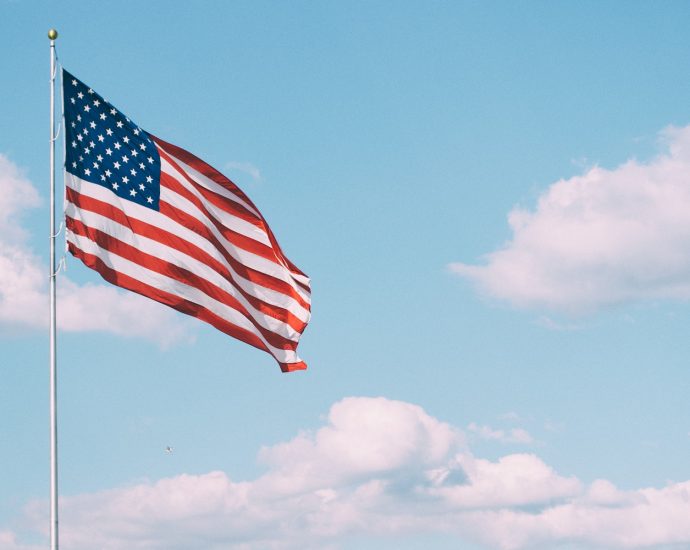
x: 180, y: 259
x: 208, y: 183
x: 301, y: 278
x: 211, y: 185
x: 111, y: 227
x: 277, y: 270
x: 228, y: 220
x: 166, y: 284
x: 157, y: 219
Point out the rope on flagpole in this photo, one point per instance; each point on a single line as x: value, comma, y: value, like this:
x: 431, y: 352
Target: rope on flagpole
x: 52, y: 35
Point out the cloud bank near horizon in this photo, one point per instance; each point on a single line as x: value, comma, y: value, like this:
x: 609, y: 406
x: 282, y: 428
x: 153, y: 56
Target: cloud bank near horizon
x: 604, y: 238
x: 378, y: 468
x: 88, y: 307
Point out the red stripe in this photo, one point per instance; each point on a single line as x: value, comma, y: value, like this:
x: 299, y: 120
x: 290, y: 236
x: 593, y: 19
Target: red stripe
x: 292, y: 367
x: 171, y: 300
x: 233, y: 237
x: 182, y: 275
x: 214, y: 175
x: 227, y: 204
x: 162, y: 236
x: 207, y: 170
x: 277, y: 312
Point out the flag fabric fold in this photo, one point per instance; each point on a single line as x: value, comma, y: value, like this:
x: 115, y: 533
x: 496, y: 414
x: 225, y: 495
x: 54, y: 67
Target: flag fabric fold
x: 155, y: 219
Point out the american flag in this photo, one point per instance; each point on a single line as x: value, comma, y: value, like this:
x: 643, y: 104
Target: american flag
x: 155, y: 219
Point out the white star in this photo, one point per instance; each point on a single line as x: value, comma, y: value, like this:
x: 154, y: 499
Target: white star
x: 90, y: 91
x: 92, y: 124
x: 74, y: 124
x: 79, y: 118
x: 134, y: 152
x: 108, y: 172
x: 113, y: 111
x: 87, y: 108
x: 125, y: 139
x: 115, y: 186
x: 116, y: 165
x: 74, y: 165
x: 150, y: 159
x: 87, y: 150
x: 72, y: 100
x: 102, y: 116
x: 117, y: 145
x: 96, y: 102
x: 142, y: 147
x: 108, y: 151
x: 109, y: 132
x: 80, y: 137
x: 95, y: 165
x: 149, y: 179
x: 136, y: 131
x: 74, y: 82
x: 133, y: 192
x: 85, y: 131
x: 81, y: 159
x: 92, y: 144
x: 100, y: 158
x: 80, y: 95
x: 125, y: 159
x: 133, y: 172
x: 142, y: 166
x: 141, y: 186
x: 125, y: 180
x: 149, y: 200
x: 119, y: 124
x: 102, y: 177
x: 74, y: 144
x: 100, y: 137
x: 87, y: 172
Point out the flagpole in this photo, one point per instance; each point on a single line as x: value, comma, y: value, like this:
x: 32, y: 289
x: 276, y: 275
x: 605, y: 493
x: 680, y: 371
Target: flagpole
x: 52, y: 35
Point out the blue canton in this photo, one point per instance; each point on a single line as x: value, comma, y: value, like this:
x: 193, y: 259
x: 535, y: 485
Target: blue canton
x: 106, y: 148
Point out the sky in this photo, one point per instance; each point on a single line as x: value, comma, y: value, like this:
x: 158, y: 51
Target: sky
x: 492, y: 200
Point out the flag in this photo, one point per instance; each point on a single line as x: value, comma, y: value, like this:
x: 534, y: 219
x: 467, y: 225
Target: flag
x: 155, y: 219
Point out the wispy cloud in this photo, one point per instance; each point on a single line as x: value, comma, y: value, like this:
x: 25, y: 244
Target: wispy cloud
x: 512, y: 435
x: 246, y: 167
x: 606, y: 237
x: 378, y: 468
x: 511, y: 416
x: 89, y: 307
x: 8, y: 541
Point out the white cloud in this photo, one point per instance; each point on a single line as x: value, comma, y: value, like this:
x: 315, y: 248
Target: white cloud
x: 364, y: 437
x: 90, y: 307
x: 377, y: 468
x: 513, y: 435
x: 513, y: 480
x: 247, y: 168
x: 511, y: 416
x: 8, y: 541
x: 604, y: 238
x: 646, y: 518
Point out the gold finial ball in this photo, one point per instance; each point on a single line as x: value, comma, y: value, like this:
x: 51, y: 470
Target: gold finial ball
x: 52, y: 34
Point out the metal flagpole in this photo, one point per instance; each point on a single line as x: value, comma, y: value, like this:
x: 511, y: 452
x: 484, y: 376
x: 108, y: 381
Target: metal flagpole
x: 52, y: 35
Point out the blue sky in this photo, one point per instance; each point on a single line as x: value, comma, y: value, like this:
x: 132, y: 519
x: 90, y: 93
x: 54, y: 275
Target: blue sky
x: 491, y: 201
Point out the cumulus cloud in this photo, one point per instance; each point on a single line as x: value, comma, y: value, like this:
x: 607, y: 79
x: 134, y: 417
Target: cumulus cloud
x: 604, y: 238
x: 24, y: 282
x: 377, y: 468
